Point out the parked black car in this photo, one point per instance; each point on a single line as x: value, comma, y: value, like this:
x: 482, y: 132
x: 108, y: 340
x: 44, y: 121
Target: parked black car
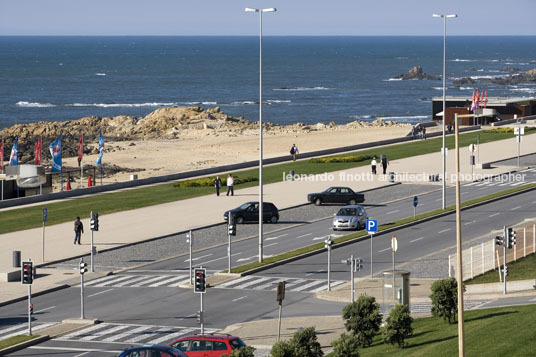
x: 249, y: 212
x: 341, y: 195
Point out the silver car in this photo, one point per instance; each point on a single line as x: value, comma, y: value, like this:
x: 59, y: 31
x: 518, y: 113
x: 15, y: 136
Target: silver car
x: 350, y: 217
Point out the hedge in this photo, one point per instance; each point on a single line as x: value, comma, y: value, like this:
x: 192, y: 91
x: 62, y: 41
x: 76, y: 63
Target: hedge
x: 209, y: 181
x: 332, y: 159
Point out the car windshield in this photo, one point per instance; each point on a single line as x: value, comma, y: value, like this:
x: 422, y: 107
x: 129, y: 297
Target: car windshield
x: 331, y: 190
x: 347, y: 212
x: 237, y: 343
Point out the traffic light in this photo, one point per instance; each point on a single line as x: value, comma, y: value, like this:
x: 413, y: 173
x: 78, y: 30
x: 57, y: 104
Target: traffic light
x: 83, y: 268
x: 31, y: 309
x: 94, y: 221
x: 499, y: 240
x: 200, y: 280
x: 328, y: 242
x: 280, y: 293
x: 199, y: 316
x: 511, y: 241
x: 505, y: 270
x: 358, y: 264
x: 27, y: 273
x: 231, y: 225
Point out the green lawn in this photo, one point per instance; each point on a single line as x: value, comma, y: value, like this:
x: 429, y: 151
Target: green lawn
x: 8, y: 342
x: 507, y: 331
x: 65, y: 211
x: 523, y: 269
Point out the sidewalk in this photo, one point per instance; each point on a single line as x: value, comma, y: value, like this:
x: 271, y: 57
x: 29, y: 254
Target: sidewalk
x: 136, y: 225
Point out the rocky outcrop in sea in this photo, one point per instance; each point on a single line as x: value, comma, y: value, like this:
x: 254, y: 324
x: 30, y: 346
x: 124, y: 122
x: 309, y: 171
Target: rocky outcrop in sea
x: 526, y: 77
x: 416, y: 73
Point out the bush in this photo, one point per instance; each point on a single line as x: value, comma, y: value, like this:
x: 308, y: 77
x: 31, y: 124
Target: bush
x: 246, y: 351
x: 398, y: 326
x: 345, y: 346
x: 332, y: 159
x: 445, y: 299
x: 302, y: 344
x: 363, y: 318
x: 209, y: 181
x: 508, y: 130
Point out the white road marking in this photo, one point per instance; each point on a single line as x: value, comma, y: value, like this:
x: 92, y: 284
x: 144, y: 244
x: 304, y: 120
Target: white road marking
x: 518, y: 183
x: 396, y: 210
x: 231, y: 282
x: 383, y: 250
x: 270, y: 284
x: 249, y: 283
x: 279, y: 236
x: 111, y: 282
x: 325, y: 287
x: 495, y: 214
x: 72, y: 349
x: 240, y: 298
x: 169, y: 337
x: 318, y: 238
x: 180, y: 277
x: 225, y: 257
x: 197, y: 258
x: 148, y: 281
x: 47, y: 308
x: 443, y: 231
x: 532, y: 300
x: 518, y: 207
x: 136, y: 279
x: 117, y: 337
x: 411, y: 241
x: 81, y: 354
x: 313, y: 283
x: 100, y: 292
x: 463, y: 193
x: 269, y: 245
x: 318, y: 271
x: 104, y: 332
x: 21, y: 329
x: 468, y: 223
x: 308, y: 234
x: 439, y: 199
x: 244, y: 259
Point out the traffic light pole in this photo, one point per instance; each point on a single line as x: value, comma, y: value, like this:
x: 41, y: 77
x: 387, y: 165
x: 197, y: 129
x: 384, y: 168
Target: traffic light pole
x: 92, y: 269
x: 29, y: 309
x: 229, y: 245
x: 504, y: 258
x: 352, y: 267
x: 82, y: 312
x: 190, y: 242
x: 202, y: 317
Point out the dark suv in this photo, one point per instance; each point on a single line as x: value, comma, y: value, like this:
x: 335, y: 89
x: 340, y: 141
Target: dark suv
x: 208, y: 345
x: 249, y: 212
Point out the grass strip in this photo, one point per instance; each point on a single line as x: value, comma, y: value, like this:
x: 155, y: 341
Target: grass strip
x: 317, y: 246
x: 67, y: 210
x: 12, y: 341
x: 505, y: 331
x: 522, y: 269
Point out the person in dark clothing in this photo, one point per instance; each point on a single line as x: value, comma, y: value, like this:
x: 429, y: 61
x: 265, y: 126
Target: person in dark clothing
x: 217, y: 184
x: 384, y: 163
x: 78, y: 230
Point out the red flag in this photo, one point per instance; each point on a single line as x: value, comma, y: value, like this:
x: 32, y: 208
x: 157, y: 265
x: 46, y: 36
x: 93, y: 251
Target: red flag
x: 486, y: 99
x: 477, y: 99
x: 80, y: 149
x: 482, y: 98
x: 2, y: 155
x: 38, y: 146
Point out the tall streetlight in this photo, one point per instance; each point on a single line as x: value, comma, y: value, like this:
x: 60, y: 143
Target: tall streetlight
x: 260, y: 11
x: 443, y: 152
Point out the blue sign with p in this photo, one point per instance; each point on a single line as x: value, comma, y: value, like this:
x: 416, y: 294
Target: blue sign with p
x: 372, y: 225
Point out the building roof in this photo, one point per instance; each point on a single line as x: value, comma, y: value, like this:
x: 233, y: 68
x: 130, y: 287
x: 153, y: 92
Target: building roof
x: 492, y: 101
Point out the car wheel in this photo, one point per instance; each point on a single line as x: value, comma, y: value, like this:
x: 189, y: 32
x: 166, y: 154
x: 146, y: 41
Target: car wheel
x: 352, y: 202
x: 274, y: 219
x: 239, y: 220
x: 318, y: 202
x: 334, y: 228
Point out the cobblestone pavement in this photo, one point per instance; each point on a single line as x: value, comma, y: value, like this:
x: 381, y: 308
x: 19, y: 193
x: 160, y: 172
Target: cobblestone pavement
x: 146, y: 252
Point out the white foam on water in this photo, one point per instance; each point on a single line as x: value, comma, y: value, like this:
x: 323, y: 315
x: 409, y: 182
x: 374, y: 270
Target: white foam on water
x: 34, y: 104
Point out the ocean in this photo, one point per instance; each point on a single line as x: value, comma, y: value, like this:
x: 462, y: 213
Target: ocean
x: 305, y: 79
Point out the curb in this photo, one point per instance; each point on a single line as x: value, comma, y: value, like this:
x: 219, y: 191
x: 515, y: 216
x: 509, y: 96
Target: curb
x: 22, y: 345
x: 42, y: 292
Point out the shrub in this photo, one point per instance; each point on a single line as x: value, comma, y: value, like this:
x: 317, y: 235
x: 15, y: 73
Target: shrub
x: 444, y: 299
x: 398, y: 326
x: 508, y: 130
x: 363, y: 318
x: 246, y: 351
x: 209, y: 181
x: 345, y: 346
x: 302, y: 344
x: 332, y: 159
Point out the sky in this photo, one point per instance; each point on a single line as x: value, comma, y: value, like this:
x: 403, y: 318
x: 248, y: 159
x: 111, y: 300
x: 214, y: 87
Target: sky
x: 293, y: 17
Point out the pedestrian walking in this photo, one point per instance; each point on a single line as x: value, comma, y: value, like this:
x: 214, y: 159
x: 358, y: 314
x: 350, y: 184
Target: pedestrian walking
x: 384, y: 162
x: 217, y: 184
x: 294, y: 151
x: 373, y: 165
x: 78, y: 230
x: 424, y: 132
x: 230, y: 184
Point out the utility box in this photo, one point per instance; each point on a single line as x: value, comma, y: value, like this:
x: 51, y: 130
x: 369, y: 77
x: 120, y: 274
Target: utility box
x: 395, y: 290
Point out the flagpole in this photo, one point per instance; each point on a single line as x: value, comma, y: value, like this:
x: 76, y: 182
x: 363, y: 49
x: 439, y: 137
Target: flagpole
x: 40, y: 157
x: 101, y: 173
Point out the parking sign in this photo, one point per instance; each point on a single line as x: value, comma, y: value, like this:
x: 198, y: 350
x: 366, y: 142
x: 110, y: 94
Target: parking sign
x: 372, y: 225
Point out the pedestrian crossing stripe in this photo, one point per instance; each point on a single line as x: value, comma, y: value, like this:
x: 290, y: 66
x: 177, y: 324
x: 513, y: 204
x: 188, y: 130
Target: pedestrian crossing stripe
x: 135, y: 281
x: 270, y: 283
x: 493, y: 183
x: 22, y: 329
x: 130, y: 334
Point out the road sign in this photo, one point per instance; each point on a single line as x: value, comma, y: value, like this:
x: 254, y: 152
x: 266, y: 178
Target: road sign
x: 472, y: 147
x: 394, y: 244
x: 519, y: 131
x: 372, y: 225
x: 415, y: 201
x: 44, y: 214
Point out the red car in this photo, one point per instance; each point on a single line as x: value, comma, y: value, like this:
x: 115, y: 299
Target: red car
x: 208, y: 345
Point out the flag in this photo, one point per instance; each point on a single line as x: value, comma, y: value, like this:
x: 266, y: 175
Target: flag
x: 38, y: 146
x: 101, y: 148
x: 14, y: 157
x: 481, y: 98
x: 55, y: 151
x: 476, y: 99
x: 80, y: 149
x: 486, y: 99
x: 473, y: 101
x: 2, y: 155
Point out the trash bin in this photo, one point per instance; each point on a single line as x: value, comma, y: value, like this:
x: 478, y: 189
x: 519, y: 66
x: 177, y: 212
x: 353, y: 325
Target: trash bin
x: 391, y: 177
x: 16, y: 258
x: 291, y: 172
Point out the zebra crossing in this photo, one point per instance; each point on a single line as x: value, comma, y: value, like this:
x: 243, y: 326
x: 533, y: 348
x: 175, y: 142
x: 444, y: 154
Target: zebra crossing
x: 252, y: 282
x: 22, y: 329
x: 130, y: 334
x: 495, y: 183
x: 426, y: 307
x: 136, y: 281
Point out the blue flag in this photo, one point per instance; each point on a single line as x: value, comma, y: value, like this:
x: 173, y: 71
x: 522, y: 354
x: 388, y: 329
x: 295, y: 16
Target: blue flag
x: 55, y: 151
x: 14, y: 158
x: 101, y: 148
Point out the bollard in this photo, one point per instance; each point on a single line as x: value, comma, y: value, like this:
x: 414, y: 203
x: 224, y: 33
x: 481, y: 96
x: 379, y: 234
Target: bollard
x: 291, y: 172
x: 16, y: 259
x: 391, y: 177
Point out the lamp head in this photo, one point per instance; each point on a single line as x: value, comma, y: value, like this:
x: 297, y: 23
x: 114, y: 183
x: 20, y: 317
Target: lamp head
x: 248, y: 9
x: 272, y: 9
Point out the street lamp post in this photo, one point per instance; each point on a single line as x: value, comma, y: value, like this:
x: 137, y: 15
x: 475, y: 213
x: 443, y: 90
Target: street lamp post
x: 443, y: 152
x: 260, y: 11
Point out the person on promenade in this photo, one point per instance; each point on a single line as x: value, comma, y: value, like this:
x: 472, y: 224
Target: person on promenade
x: 424, y: 132
x: 78, y: 230
x: 217, y: 184
x: 373, y: 165
x: 384, y: 162
x: 294, y: 151
x: 230, y: 184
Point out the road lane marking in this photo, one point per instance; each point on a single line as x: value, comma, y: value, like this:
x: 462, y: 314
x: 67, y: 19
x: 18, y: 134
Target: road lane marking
x: 109, y: 282
x: 396, y: 210
x: 180, y: 277
x: 411, y: 241
x: 103, y: 332
x: 269, y: 245
x: 468, y: 223
x: 244, y: 259
x: 81, y: 354
x: 463, y: 193
x: 225, y: 257
x: 318, y: 238
x: 318, y: 271
x: 148, y: 281
x: 308, y: 234
x: 313, y: 283
x: 100, y: 292
x: 532, y: 300
x: 439, y: 199
x: 197, y: 258
x: 72, y: 349
x: 383, y: 250
x: 46, y: 308
x: 443, y: 231
x: 495, y: 214
x: 166, y: 336
x: 325, y: 287
x: 136, y: 279
x: 240, y: 298
x: 270, y: 284
x: 518, y: 207
x: 125, y: 334
x: 235, y: 281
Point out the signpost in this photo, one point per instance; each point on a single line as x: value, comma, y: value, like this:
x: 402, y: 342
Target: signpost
x: 415, y: 203
x: 472, y: 158
x: 394, y: 248
x: 372, y: 227
x: 519, y: 132
x: 280, y: 296
x: 44, y: 221
x: 328, y: 244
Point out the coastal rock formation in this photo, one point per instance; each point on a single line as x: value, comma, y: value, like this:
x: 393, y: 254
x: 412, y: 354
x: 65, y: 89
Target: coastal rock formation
x: 523, y: 77
x: 170, y: 123
x: 416, y: 73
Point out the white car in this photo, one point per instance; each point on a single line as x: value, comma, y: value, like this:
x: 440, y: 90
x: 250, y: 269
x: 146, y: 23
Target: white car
x: 350, y: 217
